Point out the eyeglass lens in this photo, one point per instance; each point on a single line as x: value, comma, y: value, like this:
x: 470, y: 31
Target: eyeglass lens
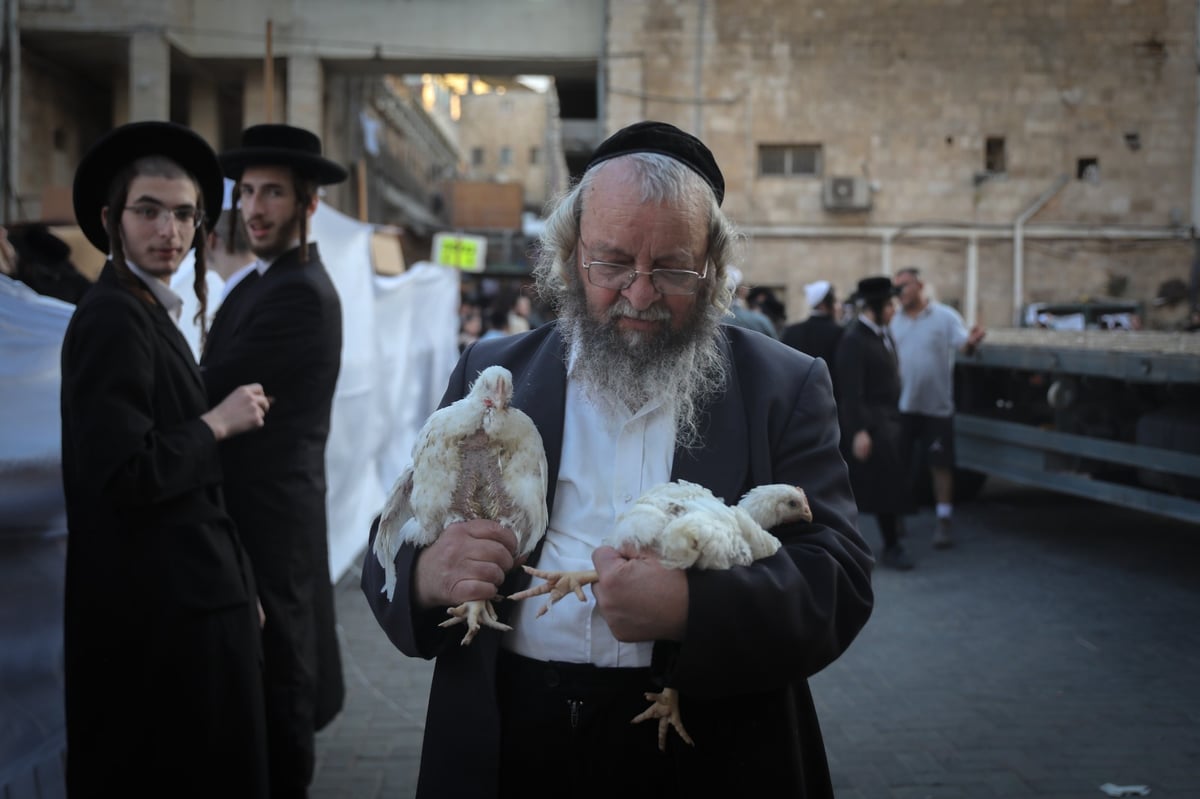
x: 183, y: 217
x: 665, y: 281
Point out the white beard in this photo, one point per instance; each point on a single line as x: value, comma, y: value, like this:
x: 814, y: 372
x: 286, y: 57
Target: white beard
x: 621, y: 371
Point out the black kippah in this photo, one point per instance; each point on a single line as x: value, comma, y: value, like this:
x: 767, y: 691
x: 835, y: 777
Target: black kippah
x: 664, y: 139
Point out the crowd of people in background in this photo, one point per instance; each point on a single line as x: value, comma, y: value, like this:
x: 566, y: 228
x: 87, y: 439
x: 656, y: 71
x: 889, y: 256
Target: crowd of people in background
x: 893, y: 374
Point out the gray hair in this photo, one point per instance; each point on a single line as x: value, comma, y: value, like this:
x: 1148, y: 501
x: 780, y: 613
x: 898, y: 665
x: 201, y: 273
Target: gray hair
x: 660, y: 179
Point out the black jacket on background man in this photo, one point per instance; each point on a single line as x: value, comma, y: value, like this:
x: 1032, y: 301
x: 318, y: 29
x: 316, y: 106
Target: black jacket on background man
x: 283, y: 329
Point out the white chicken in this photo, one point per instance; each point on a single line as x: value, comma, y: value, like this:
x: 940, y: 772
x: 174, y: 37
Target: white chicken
x: 685, y: 526
x: 478, y: 458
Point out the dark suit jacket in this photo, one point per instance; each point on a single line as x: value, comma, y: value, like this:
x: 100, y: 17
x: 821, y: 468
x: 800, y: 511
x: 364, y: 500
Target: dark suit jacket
x: 754, y: 633
x: 284, y: 330
x: 155, y: 569
x: 868, y: 384
x: 817, y: 336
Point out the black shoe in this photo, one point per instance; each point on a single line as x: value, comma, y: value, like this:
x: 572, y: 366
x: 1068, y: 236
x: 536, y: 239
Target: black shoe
x: 896, y: 558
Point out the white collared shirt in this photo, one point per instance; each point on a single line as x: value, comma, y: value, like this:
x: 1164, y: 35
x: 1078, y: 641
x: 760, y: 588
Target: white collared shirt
x: 169, y: 300
x: 606, y: 465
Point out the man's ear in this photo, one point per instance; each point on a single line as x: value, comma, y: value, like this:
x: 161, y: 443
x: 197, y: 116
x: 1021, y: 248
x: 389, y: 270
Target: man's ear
x: 104, y: 217
x: 312, y: 204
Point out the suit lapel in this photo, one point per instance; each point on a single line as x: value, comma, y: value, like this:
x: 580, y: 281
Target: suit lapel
x: 170, y: 331
x: 716, y: 464
x: 242, y: 297
x: 229, y: 312
x: 163, y: 324
x: 541, y: 392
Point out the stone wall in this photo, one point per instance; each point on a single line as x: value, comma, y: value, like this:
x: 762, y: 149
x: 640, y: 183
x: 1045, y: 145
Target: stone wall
x: 905, y: 95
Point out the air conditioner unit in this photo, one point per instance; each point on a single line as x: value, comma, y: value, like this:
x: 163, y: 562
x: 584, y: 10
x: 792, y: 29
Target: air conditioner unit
x: 846, y: 193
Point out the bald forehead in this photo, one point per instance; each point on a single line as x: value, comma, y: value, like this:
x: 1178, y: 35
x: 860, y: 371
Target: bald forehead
x: 620, y: 223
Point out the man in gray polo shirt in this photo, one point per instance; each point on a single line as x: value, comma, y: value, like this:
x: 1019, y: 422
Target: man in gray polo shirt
x: 927, y: 334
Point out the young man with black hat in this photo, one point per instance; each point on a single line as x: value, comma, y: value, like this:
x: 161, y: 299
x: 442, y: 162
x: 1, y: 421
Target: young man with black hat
x: 637, y: 383
x: 867, y: 375
x: 164, y: 688
x: 283, y: 323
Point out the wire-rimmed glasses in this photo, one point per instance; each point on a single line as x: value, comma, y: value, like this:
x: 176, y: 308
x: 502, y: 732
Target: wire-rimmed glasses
x: 616, y: 277
x: 185, y: 216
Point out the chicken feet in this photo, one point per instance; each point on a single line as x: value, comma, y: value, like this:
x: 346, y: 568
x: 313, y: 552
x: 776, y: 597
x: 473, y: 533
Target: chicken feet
x: 557, y: 585
x: 474, y: 614
x: 665, y: 708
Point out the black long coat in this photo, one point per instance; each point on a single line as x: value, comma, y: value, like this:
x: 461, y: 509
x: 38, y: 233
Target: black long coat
x: 284, y: 330
x: 818, y: 336
x: 742, y: 673
x: 868, y: 386
x: 161, y: 638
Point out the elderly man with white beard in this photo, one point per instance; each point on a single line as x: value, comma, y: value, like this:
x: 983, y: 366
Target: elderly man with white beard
x: 640, y: 382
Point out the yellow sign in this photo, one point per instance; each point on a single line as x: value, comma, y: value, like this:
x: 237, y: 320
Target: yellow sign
x: 468, y: 253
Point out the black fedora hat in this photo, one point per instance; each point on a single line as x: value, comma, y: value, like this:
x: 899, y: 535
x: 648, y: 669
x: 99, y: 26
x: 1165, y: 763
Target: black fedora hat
x: 123, y: 145
x: 282, y: 145
x: 665, y: 139
x: 870, y: 288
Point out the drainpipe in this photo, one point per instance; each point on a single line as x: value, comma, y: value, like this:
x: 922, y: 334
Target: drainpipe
x: 971, y: 300
x: 885, y: 252
x: 698, y: 76
x: 1194, y: 283
x: 1019, y: 245
x: 9, y: 207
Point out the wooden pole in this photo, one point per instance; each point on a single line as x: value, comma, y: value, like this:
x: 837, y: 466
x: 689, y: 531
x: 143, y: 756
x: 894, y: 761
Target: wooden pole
x: 361, y: 169
x: 269, y: 78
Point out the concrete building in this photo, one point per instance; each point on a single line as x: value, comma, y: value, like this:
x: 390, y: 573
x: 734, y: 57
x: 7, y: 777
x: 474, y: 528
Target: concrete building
x: 1018, y: 151
x: 511, y: 134
x: 75, y: 68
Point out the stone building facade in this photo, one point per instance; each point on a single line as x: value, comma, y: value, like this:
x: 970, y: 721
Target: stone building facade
x: 1015, y: 150
x: 1031, y: 149
x: 508, y: 136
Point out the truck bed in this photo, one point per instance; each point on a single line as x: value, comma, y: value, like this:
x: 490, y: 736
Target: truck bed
x: 1136, y: 356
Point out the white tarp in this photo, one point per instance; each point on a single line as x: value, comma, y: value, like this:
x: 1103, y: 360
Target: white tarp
x: 33, y: 528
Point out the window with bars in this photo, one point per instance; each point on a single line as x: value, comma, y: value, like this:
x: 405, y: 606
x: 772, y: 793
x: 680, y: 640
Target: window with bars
x: 789, y: 160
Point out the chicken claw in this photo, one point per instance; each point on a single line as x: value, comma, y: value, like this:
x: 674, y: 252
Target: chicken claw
x: 666, y: 710
x: 557, y: 585
x: 474, y: 614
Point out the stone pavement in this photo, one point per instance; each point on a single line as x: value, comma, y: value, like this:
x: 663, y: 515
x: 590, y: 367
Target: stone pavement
x: 1056, y: 648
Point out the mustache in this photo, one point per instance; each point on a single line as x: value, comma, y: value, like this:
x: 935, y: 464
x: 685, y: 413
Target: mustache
x: 623, y: 309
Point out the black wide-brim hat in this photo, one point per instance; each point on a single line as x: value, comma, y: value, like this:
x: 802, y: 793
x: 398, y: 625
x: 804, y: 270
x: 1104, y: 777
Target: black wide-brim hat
x: 665, y: 139
x: 873, y: 287
x: 126, y: 144
x: 282, y: 145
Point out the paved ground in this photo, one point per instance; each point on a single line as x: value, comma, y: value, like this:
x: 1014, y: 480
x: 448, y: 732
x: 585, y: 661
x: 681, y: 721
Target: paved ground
x: 1055, y: 649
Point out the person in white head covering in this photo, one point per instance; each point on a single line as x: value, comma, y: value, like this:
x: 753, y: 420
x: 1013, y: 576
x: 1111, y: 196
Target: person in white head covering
x: 819, y: 334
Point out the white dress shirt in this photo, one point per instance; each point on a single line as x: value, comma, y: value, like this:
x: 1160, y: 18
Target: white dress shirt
x: 169, y: 300
x: 606, y: 465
